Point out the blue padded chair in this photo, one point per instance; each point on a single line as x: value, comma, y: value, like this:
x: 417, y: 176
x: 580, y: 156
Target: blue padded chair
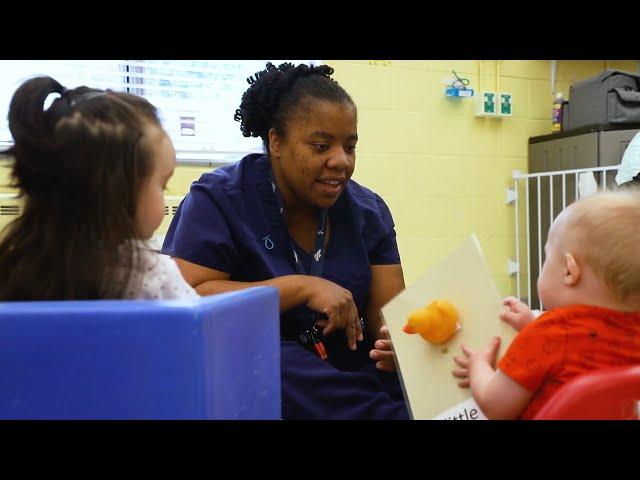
x: 217, y: 357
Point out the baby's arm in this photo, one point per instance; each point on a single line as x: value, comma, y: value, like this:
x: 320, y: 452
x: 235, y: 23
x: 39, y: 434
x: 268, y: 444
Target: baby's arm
x: 498, y: 396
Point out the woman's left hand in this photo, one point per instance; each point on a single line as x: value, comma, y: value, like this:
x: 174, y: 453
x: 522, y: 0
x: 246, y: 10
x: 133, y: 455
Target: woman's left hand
x: 383, y: 353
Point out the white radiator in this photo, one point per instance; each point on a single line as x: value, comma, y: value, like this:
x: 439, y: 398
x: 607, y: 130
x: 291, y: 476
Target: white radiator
x: 11, y: 208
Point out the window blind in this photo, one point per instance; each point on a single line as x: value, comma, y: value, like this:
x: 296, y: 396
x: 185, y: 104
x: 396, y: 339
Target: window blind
x: 196, y: 99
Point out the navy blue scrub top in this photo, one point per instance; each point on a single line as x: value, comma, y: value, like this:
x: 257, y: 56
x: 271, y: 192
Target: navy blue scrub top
x: 230, y: 221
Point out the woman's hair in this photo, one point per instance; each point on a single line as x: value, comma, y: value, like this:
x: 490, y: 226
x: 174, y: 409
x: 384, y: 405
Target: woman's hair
x: 79, y: 166
x: 276, y: 93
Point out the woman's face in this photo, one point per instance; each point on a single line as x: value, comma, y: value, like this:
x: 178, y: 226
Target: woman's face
x: 317, y: 155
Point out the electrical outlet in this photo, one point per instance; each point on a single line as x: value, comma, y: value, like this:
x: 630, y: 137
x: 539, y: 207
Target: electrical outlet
x: 505, y: 104
x: 486, y: 104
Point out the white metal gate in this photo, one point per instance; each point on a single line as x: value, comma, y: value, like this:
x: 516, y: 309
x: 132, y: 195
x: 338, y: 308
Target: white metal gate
x: 537, y: 199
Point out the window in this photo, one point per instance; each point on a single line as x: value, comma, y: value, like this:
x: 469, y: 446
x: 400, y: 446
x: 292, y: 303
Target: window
x: 98, y: 74
x: 196, y: 99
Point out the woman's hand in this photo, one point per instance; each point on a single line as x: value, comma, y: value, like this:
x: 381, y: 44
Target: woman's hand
x: 518, y: 314
x: 383, y: 353
x: 337, y: 304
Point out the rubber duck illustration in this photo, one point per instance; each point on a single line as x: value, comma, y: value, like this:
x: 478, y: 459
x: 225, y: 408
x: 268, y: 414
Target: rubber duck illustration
x: 436, y: 322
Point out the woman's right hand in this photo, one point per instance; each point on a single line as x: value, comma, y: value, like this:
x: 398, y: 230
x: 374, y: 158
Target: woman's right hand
x: 518, y: 314
x: 337, y: 304
x: 383, y: 352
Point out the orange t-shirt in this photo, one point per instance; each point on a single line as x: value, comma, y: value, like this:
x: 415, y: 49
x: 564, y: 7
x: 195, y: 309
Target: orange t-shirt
x: 566, y: 342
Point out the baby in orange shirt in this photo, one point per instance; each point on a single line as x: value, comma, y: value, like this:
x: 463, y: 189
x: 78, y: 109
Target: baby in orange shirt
x: 590, y: 286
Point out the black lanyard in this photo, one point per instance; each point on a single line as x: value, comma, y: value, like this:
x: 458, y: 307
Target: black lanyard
x: 317, y: 262
x: 310, y: 337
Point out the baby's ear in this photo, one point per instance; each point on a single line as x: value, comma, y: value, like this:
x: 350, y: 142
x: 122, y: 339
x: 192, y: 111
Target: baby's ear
x: 571, y: 270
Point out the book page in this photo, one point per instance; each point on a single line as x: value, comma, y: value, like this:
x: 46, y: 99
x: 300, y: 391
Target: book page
x: 463, y: 279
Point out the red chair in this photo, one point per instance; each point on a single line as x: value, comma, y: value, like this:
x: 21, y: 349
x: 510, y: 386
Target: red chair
x: 607, y: 394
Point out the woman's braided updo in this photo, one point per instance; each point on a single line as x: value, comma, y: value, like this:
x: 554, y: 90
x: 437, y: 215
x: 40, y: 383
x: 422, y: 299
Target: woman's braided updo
x: 275, y: 93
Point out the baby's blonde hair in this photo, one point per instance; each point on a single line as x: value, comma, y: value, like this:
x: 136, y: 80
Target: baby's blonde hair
x: 607, y: 225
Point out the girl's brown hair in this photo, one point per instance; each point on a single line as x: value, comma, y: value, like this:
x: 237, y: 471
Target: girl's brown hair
x: 79, y: 166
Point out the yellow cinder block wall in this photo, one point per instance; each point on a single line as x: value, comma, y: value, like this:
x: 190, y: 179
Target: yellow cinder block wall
x: 442, y: 171
x: 5, y: 169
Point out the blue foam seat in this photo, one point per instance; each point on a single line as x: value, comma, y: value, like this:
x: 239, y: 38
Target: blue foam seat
x: 217, y: 357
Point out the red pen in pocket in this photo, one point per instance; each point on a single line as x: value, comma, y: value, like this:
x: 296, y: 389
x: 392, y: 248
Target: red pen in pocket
x: 318, y: 346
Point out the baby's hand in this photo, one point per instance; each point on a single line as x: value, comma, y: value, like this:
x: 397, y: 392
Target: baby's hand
x: 518, y: 314
x: 464, y: 370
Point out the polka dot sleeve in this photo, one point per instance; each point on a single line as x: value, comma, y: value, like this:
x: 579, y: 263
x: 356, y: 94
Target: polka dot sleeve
x: 160, y: 279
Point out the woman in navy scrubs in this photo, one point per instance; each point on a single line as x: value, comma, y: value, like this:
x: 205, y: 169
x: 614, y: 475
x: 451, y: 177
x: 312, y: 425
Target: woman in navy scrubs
x: 293, y: 219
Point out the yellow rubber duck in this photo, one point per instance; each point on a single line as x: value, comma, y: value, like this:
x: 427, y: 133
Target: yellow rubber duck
x: 436, y: 322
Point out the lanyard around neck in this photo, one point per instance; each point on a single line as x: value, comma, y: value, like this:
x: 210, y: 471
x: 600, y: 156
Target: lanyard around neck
x: 317, y: 262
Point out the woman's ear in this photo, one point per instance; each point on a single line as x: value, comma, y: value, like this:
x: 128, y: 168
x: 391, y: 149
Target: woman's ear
x: 274, y: 143
x: 571, y: 270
